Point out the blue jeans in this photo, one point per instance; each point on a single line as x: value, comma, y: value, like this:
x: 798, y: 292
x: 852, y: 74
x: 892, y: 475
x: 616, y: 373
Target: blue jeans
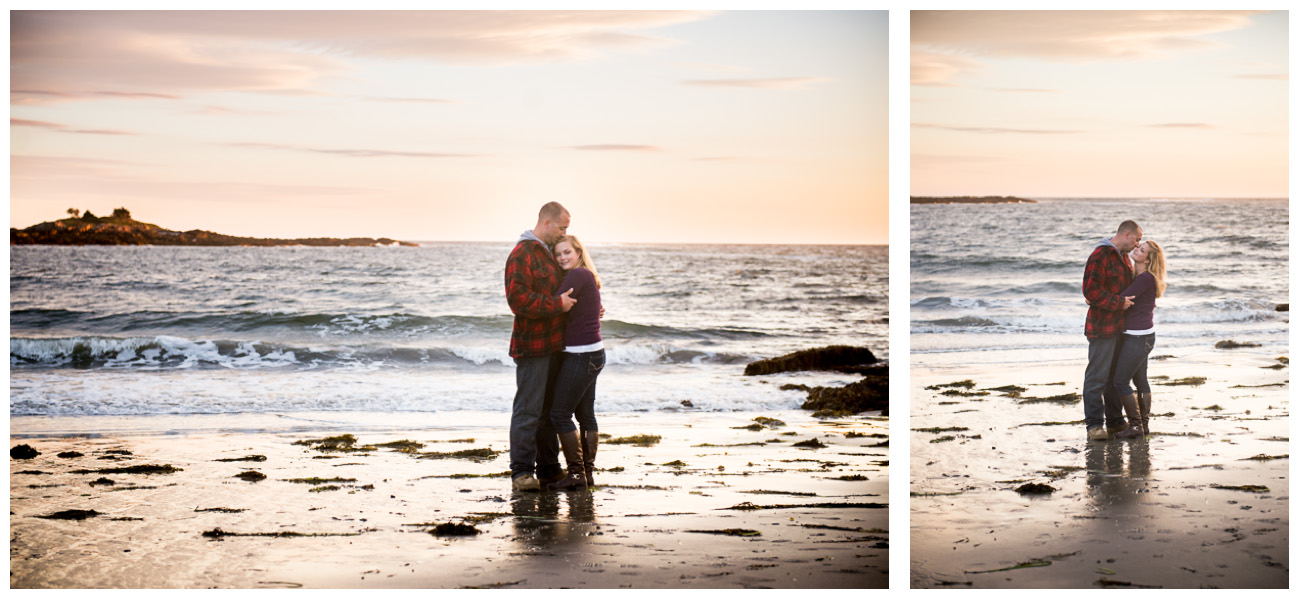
x: 1100, y: 401
x: 575, y: 392
x: 532, y: 438
x: 1132, y: 364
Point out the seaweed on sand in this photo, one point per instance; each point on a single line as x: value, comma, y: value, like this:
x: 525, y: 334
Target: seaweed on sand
x: 1260, y: 489
x: 939, y: 429
x: 218, y: 534
x: 132, y: 470
x: 251, y: 458
x: 1049, y: 423
x: 1008, y: 389
x: 965, y: 383
x: 339, y: 443
x: 469, y: 475
x: 70, y: 454
x: 752, y: 506
x: 1192, y: 381
x: 735, y: 532
x: 221, y: 509
x: 1230, y: 344
x: 942, y: 439
x: 320, y: 480
x: 962, y: 393
x: 635, y: 440
x: 1023, y: 565
x: 404, y: 446
x: 929, y: 494
x: 102, y: 481
x: 1210, y: 407
x: 779, y: 493
x: 1070, y: 398
x: 1265, y: 457
x: 454, y: 529
x: 849, y: 478
x: 1035, y: 488
x: 71, y: 515
x: 251, y: 476
x: 813, y: 443
x: 478, y: 454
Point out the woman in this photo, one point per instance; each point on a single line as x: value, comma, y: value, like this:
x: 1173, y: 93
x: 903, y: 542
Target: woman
x: 584, y: 358
x: 1139, y: 337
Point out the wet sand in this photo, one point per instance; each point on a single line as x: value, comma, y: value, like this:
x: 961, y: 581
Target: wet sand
x: 739, y: 516
x: 1202, y: 503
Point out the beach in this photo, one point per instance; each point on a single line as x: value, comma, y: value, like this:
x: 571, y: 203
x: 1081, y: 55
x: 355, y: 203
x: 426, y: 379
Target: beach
x: 1201, y: 503
x: 721, y: 500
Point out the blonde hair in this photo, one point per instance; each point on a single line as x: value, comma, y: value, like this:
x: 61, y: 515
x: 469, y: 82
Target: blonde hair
x: 1156, y: 265
x: 584, y: 259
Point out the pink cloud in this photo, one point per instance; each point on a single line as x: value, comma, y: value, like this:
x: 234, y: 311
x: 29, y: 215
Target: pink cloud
x: 54, y: 55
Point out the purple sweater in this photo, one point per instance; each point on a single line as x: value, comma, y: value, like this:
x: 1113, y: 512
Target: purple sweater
x: 584, y: 319
x: 1141, y: 316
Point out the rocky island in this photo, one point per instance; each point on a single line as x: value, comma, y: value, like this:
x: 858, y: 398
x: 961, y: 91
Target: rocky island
x: 971, y: 200
x: 121, y: 230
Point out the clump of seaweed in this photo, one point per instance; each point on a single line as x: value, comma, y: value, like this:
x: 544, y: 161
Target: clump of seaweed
x: 221, y: 509
x: 735, y: 532
x: 320, y: 480
x: 635, y: 440
x: 469, y: 475
x: 404, y: 446
x: 71, y: 515
x: 1009, y: 390
x: 251, y: 458
x: 339, y: 443
x: 850, y: 478
x: 1230, y: 344
x: 676, y: 463
x: 813, y: 443
x: 962, y: 393
x: 102, y: 481
x: 752, y: 506
x: 939, y: 429
x: 251, y: 476
x: 478, y: 454
x: 23, y: 452
x: 1265, y: 457
x: 1192, y: 381
x: 1070, y: 398
x: 965, y: 383
x: 70, y: 454
x: 779, y: 493
x: 218, y: 534
x: 1211, y: 407
x: 1261, y: 489
x: 33, y: 472
x: 1035, y: 488
x: 942, y: 439
x: 132, y: 470
x: 454, y: 529
x: 325, y: 488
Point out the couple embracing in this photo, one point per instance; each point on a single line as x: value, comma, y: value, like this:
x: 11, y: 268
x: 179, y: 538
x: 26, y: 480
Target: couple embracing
x: 554, y: 292
x: 1121, y: 282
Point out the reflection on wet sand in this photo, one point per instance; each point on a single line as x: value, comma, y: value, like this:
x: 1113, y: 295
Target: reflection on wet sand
x: 540, y: 526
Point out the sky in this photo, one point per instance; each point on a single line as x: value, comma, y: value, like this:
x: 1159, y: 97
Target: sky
x: 670, y: 126
x: 1160, y: 104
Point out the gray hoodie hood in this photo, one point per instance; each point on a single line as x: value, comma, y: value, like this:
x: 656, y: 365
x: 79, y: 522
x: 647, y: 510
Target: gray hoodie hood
x: 528, y: 235
x: 1103, y: 242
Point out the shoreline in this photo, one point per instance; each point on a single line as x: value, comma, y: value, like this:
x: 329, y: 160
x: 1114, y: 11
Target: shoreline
x: 1201, y: 503
x: 821, y: 513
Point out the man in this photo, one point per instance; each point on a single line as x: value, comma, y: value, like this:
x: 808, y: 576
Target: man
x: 532, y: 274
x: 1107, y: 273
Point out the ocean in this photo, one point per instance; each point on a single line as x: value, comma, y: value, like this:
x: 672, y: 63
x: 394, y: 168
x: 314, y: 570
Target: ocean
x: 145, y: 330
x: 999, y: 284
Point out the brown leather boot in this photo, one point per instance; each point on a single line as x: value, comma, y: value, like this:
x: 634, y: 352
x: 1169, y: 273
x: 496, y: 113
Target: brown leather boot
x: 1144, y: 405
x: 571, y: 446
x: 590, y: 441
x: 1134, y: 417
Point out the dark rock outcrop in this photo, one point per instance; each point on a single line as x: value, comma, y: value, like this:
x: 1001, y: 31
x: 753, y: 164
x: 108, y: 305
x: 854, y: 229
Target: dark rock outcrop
x: 872, y: 393
x: 845, y: 359
x: 121, y: 230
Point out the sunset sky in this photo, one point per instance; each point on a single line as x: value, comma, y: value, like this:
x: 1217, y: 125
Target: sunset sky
x: 1104, y: 104
x: 754, y: 127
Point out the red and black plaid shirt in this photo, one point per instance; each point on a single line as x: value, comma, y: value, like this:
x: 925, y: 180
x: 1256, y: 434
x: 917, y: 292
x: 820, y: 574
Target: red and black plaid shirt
x: 531, y: 278
x: 1107, y: 273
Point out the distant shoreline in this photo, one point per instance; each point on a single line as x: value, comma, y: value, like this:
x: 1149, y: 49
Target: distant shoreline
x: 971, y: 200
x: 121, y: 230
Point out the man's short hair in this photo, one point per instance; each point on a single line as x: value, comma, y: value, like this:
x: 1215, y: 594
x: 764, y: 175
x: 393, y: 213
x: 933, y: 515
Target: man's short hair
x: 1127, y: 226
x: 551, y: 210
